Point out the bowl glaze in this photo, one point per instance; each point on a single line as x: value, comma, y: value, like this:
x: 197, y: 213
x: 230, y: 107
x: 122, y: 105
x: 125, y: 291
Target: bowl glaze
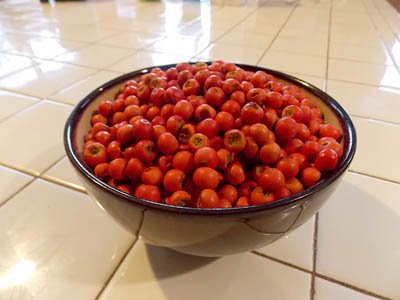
x: 207, y: 232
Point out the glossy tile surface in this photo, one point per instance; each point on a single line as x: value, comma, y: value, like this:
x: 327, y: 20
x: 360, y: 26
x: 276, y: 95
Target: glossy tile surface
x: 294, y: 63
x: 302, y: 46
x: 40, y: 47
x: 180, y: 45
x: 380, y: 155
x: 319, y: 82
x: 158, y: 273
x: 295, y: 248
x: 63, y: 172
x: 10, y: 63
x: 56, y: 244
x: 380, y: 103
x: 56, y: 256
x: 325, y: 290
x: 144, y: 59
x: 365, y: 73
x: 40, y: 148
x: 240, y: 54
x: 363, y: 241
x: 247, y: 39
x: 12, y: 103
x: 11, y: 181
x: 94, y: 56
x: 44, y: 79
x: 373, y: 55
x: 75, y: 92
x: 132, y: 40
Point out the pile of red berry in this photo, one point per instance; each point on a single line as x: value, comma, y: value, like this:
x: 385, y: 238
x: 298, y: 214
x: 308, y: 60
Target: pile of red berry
x: 210, y: 136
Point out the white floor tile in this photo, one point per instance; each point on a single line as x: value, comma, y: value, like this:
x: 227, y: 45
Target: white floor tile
x: 270, y: 15
x: 41, y: 47
x: 319, y: 82
x: 180, y: 45
x: 372, y: 102
x: 39, y: 131
x: 132, y: 40
x: 11, y: 181
x: 200, y: 30
x: 363, y: 73
x: 355, y: 38
x: 325, y: 290
x: 144, y: 59
x: 295, y: 248
x: 79, y: 33
x: 44, y: 79
x: 375, y: 55
x: 94, y: 56
x: 349, y: 6
x: 157, y: 273
x: 255, y: 27
x: 377, y: 146
x: 10, y: 63
x: 301, y: 46
x: 362, y: 249
x: 222, y: 23
x: 77, y: 91
x: 248, y: 39
x: 227, y: 52
x: 65, y: 173
x: 294, y: 63
x: 56, y: 244
x: 11, y: 103
x: 154, y: 26
x: 300, y: 32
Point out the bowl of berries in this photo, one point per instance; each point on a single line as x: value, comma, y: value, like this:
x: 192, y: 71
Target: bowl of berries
x: 209, y: 158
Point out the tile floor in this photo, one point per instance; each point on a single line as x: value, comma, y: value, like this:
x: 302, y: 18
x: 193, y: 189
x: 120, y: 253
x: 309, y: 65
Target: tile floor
x: 56, y: 244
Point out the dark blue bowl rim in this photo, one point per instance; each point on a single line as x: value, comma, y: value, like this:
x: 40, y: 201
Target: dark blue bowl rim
x: 349, y: 139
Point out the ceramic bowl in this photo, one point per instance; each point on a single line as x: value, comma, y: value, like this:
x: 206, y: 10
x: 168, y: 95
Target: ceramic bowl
x: 207, y: 232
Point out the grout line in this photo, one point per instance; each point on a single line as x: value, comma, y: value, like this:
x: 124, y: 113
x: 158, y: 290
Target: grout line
x: 318, y: 275
x: 111, y: 276
x: 387, y: 48
x: 328, y: 46
x: 315, y: 237
x: 63, y: 183
x: 352, y: 287
x: 17, y: 192
x: 147, y: 46
x: 374, y: 176
x: 363, y: 61
x: 19, y: 70
x: 20, y: 93
x: 278, y: 32
x: 4, y: 89
x: 365, y: 84
x: 45, y: 177
x: 35, y: 176
x: 281, y: 262
x: 227, y: 31
x: 374, y: 119
x: 30, y: 106
x: 20, y: 111
x: 314, y: 262
x: 74, y: 82
x: 378, y: 9
x: 106, y: 283
x: 359, y: 83
x: 19, y: 169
